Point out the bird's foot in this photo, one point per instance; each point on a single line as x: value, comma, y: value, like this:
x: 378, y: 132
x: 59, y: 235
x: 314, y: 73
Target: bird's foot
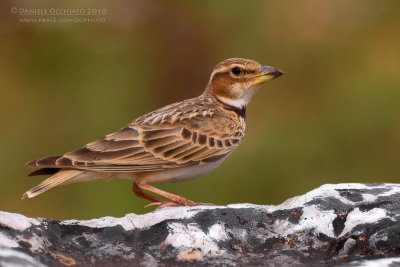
x: 161, y: 205
x: 181, y: 203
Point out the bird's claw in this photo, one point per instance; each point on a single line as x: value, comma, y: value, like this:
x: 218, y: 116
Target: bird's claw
x: 165, y: 204
x: 161, y: 205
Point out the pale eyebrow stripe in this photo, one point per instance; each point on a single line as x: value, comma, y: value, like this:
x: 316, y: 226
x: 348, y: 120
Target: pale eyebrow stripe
x: 220, y: 70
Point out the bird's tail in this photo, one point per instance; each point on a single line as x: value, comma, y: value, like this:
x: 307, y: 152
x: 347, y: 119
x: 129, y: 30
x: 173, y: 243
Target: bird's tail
x: 56, y: 179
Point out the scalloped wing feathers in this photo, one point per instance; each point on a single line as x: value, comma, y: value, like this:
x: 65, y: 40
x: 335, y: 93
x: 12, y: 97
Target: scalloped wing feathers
x: 186, y: 133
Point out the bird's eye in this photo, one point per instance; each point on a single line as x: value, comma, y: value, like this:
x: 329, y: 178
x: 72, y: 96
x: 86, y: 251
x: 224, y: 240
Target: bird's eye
x: 236, y: 70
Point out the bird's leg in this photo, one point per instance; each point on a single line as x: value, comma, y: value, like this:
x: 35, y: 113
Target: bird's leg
x: 176, y: 200
x: 139, y: 192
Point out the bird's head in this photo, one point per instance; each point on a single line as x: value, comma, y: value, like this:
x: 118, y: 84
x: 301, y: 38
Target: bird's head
x: 234, y: 81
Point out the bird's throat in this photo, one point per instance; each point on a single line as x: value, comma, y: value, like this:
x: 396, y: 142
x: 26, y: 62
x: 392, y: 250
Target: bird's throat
x: 231, y: 105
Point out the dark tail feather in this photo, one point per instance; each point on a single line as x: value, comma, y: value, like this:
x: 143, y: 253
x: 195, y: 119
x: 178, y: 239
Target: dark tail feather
x: 45, y: 171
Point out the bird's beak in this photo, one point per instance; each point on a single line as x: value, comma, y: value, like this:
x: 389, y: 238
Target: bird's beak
x: 267, y: 73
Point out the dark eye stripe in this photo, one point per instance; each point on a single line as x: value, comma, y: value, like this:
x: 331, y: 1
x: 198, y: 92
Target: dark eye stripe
x: 228, y: 69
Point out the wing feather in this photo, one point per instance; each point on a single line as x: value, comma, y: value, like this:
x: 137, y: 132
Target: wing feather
x: 157, y: 141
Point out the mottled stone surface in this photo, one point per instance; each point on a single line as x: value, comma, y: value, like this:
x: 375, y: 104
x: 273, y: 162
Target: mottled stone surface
x: 342, y: 224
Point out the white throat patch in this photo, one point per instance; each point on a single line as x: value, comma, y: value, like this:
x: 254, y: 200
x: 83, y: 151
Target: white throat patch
x: 243, y: 97
x: 237, y: 103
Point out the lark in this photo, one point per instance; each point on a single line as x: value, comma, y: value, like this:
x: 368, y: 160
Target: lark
x: 175, y: 143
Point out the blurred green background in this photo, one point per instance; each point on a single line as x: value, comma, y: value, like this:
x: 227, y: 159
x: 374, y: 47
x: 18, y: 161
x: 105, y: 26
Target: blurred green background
x: 333, y: 118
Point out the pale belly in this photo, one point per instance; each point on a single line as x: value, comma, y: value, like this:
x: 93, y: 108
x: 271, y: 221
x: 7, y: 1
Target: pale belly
x: 178, y: 174
x: 166, y: 176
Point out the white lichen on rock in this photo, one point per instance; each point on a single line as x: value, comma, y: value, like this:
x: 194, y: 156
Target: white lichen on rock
x: 16, y: 221
x: 342, y: 220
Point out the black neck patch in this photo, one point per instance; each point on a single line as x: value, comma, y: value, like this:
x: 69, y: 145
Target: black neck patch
x: 241, y: 112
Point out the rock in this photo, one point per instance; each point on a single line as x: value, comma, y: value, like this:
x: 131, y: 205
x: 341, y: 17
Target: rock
x: 342, y: 224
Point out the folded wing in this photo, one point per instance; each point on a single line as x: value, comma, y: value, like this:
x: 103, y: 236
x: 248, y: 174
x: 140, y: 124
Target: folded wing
x: 152, y: 143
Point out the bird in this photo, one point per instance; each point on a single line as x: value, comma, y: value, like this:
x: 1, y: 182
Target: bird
x: 178, y: 142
